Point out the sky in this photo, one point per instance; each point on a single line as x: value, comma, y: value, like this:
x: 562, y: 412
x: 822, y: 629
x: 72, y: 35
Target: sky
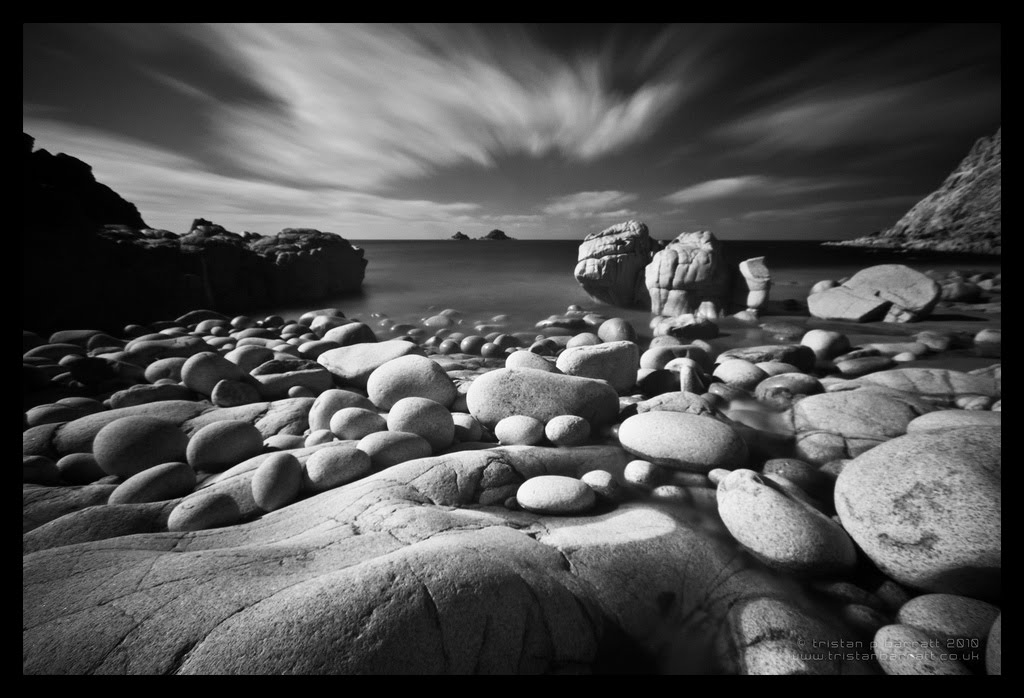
x: 545, y: 131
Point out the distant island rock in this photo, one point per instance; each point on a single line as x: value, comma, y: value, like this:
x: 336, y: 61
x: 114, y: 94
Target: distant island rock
x: 496, y: 235
x: 493, y: 235
x: 88, y: 258
x: 962, y: 215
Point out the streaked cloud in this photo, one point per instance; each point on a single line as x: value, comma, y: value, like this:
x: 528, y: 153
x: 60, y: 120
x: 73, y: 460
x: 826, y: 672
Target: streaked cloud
x: 586, y: 204
x: 827, y: 208
x: 760, y: 185
x: 835, y: 116
x: 365, y: 104
x: 170, y: 190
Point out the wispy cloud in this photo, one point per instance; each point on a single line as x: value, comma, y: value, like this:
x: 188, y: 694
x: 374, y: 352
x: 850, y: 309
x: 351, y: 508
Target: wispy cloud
x: 759, y: 185
x: 170, y: 190
x: 367, y: 104
x: 851, y: 115
x: 874, y: 206
x: 587, y: 204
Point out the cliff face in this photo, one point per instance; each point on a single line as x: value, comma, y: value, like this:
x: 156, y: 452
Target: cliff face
x: 962, y: 215
x: 89, y: 260
x: 61, y: 193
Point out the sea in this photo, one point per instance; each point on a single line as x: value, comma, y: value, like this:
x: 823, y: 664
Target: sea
x: 408, y: 281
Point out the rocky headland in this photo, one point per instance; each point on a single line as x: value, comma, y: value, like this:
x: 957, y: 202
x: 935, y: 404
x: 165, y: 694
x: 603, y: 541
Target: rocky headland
x: 88, y: 257
x: 963, y: 215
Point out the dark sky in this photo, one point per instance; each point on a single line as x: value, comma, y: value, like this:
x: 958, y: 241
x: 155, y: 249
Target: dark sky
x: 761, y: 131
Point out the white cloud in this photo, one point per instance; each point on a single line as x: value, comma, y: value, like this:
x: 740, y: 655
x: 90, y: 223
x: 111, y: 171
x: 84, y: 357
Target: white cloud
x: 368, y: 104
x: 759, y: 185
x: 589, y: 203
x: 170, y: 190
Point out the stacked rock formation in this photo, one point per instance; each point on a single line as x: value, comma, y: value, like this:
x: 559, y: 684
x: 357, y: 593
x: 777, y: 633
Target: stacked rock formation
x: 687, y: 281
x: 963, y: 215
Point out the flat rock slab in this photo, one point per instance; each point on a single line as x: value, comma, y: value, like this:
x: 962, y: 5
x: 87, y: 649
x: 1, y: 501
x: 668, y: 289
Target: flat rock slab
x: 893, y: 292
x: 403, y: 572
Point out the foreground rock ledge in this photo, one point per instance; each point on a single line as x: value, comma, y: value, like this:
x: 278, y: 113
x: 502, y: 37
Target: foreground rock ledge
x: 402, y: 573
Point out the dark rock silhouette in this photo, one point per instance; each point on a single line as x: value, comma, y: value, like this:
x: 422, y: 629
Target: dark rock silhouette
x: 460, y: 236
x: 496, y: 235
x: 962, y: 215
x: 62, y: 193
x: 88, y: 258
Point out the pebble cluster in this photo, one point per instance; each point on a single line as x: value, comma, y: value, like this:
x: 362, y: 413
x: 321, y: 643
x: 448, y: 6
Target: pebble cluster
x: 877, y: 486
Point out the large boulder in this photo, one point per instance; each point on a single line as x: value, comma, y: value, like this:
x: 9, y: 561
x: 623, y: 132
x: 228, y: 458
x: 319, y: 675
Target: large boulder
x: 611, y: 264
x: 409, y: 571
x: 890, y: 292
x: 845, y: 424
x: 926, y: 508
x: 542, y: 395
x: 687, y: 272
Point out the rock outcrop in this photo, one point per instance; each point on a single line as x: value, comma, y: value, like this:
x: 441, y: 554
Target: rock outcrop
x: 611, y: 264
x: 460, y: 236
x: 962, y: 215
x: 89, y: 258
x: 893, y: 292
x: 687, y: 272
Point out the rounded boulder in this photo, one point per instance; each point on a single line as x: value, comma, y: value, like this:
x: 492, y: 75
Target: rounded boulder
x: 129, y: 445
x: 410, y: 376
x: 555, y: 494
x: 505, y: 392
x: 781, y: 530
x: 683, y: 441
x: 926, y: 508
x: 424, y: 417
x: 221, y: 445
